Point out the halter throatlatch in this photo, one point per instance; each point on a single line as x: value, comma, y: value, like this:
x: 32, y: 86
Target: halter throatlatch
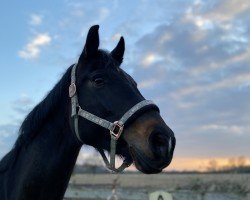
x: 115, y: 128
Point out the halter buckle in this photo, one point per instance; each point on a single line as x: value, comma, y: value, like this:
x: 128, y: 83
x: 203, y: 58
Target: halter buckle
x: 116, y: 130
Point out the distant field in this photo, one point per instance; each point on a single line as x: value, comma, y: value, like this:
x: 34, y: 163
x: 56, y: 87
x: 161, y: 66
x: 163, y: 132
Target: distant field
x: 181, y: 186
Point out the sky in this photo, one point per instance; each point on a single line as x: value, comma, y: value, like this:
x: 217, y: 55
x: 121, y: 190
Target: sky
x: 190, y: 56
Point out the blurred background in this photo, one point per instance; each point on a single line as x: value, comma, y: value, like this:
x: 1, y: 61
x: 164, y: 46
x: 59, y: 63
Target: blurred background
x: 190, y: 56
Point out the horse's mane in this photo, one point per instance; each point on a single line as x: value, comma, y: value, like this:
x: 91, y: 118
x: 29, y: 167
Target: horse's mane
x: 37, y: 117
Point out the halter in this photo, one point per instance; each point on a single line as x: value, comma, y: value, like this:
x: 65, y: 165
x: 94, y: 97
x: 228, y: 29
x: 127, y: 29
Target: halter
x: 115, y: 128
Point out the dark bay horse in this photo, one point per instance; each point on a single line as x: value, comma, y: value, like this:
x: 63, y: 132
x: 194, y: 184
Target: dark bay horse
x: 41, y: 162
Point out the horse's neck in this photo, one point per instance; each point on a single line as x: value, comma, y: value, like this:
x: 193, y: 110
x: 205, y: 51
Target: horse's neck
x: 43, y: 168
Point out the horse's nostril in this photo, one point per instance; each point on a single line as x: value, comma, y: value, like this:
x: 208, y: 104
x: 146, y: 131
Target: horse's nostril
x: 159, y: 139
x: 160, y: 144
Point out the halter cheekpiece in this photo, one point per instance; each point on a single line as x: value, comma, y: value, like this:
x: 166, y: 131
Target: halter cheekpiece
x: 115, y: 128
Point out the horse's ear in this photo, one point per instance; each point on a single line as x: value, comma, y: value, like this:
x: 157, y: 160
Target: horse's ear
x: 118, y: 51
x: 92, y: 43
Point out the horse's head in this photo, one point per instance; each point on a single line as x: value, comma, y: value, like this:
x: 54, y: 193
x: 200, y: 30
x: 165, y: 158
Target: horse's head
x: 107, y: 91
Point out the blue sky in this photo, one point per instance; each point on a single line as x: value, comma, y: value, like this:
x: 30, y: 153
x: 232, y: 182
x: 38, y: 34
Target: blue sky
x: 190, y: 56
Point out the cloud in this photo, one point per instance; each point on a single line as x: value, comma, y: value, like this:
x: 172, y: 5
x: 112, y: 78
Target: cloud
x: 7, y: 130
x: 149, y: 83
x: 233, y: 129
x: 201, y: 81
x: 151, y: 59
x: 24, y: 100
x: 116, y: 37
x: 36, y: 20
x: 33, y: 49
x: 8, y: 135
x: 23, y: 104
x: 103, y: 13
x: 235, y: 81
x: 225, y: 10
x: 84, y: 13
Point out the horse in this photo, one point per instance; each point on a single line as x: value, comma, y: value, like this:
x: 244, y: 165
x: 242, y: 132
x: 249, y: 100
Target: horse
x: 43, y: 157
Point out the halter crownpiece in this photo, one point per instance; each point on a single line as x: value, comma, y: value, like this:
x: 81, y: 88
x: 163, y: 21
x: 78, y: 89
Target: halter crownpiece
x: 115, y: 128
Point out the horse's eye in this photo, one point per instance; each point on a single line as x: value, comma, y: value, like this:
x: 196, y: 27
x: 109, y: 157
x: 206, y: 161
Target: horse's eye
x: 98, y: 81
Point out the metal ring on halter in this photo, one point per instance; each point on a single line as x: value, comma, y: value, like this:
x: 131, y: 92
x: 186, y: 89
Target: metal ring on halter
x: 72, y: 90
x: 117, y: 129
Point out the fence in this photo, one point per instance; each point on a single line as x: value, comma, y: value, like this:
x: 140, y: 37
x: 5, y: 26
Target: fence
x: 180, y: 186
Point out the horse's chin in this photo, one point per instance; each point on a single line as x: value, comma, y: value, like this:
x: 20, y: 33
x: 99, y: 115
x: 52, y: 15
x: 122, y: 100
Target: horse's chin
x: 143, y: 163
